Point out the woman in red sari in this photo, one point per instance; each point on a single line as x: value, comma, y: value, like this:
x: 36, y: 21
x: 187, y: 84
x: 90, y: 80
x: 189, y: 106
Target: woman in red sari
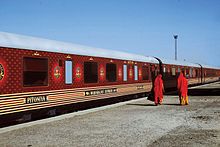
x: 182, y: 86
x: 158, y: 90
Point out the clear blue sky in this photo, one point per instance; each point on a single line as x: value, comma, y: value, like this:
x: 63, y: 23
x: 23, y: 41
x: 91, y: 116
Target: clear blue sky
x: 136, y: 26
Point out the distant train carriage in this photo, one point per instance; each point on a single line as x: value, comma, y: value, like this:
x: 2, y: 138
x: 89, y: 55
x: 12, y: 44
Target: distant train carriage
x: 170, y: 70
x: 210, y: 74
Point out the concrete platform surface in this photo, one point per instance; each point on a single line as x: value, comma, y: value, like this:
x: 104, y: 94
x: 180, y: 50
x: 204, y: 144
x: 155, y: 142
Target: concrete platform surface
x: 136, y: 123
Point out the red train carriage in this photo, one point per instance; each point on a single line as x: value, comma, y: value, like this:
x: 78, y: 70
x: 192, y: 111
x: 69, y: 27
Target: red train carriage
x: 172, y: 68
x: 40, y: 73
x: 195, y: 73
x: 210, y: 74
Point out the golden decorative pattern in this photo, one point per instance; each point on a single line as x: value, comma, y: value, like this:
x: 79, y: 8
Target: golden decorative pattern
x: 2, y: 72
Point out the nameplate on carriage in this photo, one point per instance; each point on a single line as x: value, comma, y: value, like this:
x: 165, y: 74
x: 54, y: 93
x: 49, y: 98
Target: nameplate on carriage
x: 36, y: 99
x: 139, y: 87
x: 100, y: 91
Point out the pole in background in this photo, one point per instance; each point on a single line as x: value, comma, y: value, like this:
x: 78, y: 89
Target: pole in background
x: 175, y: 37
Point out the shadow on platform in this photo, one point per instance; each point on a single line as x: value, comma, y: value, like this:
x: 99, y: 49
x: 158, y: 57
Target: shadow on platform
x: 199, y: 92
x: 172, y: 104
x: 153, y: 104
x: 141, y: 104
x: 204, y: 92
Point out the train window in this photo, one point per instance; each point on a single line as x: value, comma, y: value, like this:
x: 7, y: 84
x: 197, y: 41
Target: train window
x: 164, y: 69
x: 68, y: 72
x: 90, y: 72
x: 125, y: 73
x: 135, y: 72
x: 190, y: 72
x: 178, y: 69
x: 187, y: 72
x: 145, y: 72
x: 111, y: 72
x: 173, y: 71
x: 170, y: 71
x: 35, y: 71
x: 196, y: 73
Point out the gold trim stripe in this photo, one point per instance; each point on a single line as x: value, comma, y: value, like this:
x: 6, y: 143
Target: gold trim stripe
x: 54, y: 92
x: 68, y: 99
x: 58, y: 104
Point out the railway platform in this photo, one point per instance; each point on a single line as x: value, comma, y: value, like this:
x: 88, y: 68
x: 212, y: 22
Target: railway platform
x: 132, y: 123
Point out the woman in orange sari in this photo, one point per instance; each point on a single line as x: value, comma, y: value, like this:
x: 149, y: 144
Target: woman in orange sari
x: 158, y: 90
x: 182, y: 86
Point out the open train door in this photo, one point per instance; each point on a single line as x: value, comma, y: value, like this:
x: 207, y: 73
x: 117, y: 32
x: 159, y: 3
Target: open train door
x: 160, y: 66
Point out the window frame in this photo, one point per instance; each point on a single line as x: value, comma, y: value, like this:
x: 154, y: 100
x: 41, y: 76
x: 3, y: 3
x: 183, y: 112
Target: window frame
x: 97, y: 72
x: 106, y: 75
x: 191, y: 72
x: 124, y: 73
x: 71, y: 73
x: 27, y: 86
x: 179, y: 70
x: 136, y: 73
x: 173, y: 71
x: 148, y: 73
x: 164, y: 69
x: 196, y: 72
